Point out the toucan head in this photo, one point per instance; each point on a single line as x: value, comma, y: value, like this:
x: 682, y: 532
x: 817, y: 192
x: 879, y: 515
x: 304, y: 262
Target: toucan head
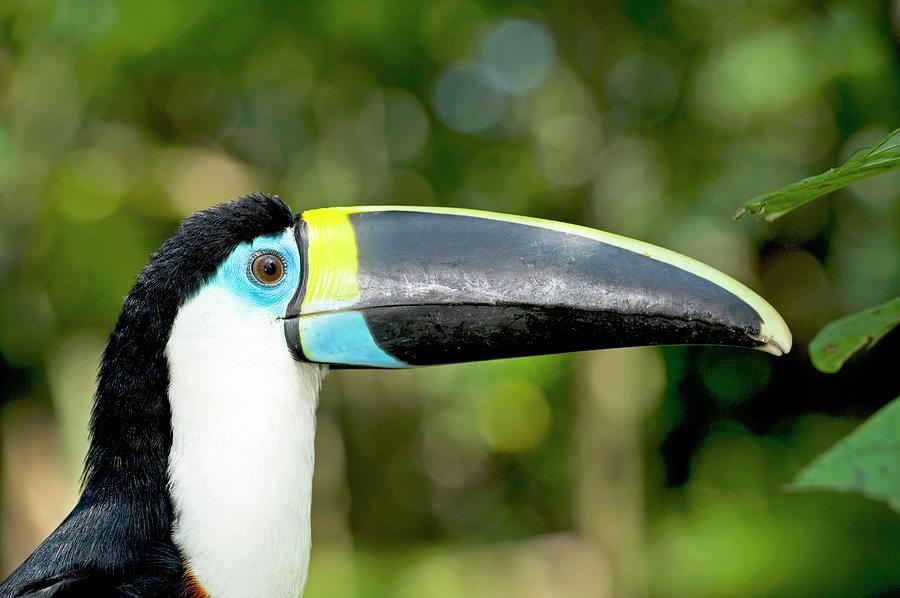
x: 400, y: 286
x: 202, y: 429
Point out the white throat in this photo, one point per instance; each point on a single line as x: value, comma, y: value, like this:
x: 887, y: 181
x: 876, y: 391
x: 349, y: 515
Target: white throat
x: 241, y: 464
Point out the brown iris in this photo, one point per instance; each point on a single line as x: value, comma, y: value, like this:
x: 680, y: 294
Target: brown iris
x: 267, y: 268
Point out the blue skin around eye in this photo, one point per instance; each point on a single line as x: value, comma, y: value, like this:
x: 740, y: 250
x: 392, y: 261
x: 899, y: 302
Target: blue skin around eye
x: 232, y: 274
x: 338, y: 338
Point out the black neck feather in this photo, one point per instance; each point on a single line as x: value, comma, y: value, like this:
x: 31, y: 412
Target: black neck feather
x: 124, y: 515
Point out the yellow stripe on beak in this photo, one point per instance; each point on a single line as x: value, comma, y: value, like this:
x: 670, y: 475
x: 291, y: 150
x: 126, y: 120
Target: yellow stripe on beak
x: 332, y: 263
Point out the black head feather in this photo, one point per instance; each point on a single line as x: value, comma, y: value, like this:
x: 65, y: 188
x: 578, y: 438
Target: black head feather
x: 124, y: 515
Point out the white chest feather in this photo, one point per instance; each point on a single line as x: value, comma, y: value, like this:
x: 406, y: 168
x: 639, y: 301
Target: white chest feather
x: 241, y: 464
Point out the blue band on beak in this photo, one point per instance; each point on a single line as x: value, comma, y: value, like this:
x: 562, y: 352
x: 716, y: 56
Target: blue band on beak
x: 342, y: 338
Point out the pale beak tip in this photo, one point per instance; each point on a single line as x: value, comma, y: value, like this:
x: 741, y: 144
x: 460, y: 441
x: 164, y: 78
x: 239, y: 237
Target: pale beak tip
x: 776, y: 336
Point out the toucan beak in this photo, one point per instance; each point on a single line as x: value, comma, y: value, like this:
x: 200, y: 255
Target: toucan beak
x: 393, y: 287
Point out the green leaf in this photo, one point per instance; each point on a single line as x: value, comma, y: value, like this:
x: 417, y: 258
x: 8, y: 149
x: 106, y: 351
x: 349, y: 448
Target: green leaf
x: 839, y: 340
x: 864, y: 163
x: 867, y: 461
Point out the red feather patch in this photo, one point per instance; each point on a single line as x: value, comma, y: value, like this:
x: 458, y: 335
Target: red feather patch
x: 191, y: 587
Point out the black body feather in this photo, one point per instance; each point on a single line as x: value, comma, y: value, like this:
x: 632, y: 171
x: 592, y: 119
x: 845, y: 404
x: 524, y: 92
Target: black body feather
x: 117, y: 539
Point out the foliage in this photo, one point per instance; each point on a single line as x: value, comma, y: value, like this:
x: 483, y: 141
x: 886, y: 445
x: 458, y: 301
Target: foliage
x: 866, y: 461
x: 840, y: 339
x: 865, y: 162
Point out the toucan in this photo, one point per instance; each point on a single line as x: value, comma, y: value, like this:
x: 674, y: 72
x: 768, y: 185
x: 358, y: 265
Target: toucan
x: 198, y: 477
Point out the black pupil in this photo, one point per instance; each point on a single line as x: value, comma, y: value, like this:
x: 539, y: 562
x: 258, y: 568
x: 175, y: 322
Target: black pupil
x: 269, y: 267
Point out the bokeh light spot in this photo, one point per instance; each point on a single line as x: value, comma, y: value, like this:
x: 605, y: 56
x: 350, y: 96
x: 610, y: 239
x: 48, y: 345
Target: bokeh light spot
x: 513, y: 416
x: 568, y: 149
x: 465, y: 101
x: 406, y: 126
x: 642, y: 89
x: 518, y: 55
x: 72, y: 375
x: 88, y: 184
x: 630, y: 185
x: 564, y: 92
x: 449, y: 26
x: 752, y: 77
x: 198, y: 178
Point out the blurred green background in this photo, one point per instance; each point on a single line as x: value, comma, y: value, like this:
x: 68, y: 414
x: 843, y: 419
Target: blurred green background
x: 614, y: 473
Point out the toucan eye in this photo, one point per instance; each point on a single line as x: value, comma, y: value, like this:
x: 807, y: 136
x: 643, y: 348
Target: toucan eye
x: 266, y: 267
